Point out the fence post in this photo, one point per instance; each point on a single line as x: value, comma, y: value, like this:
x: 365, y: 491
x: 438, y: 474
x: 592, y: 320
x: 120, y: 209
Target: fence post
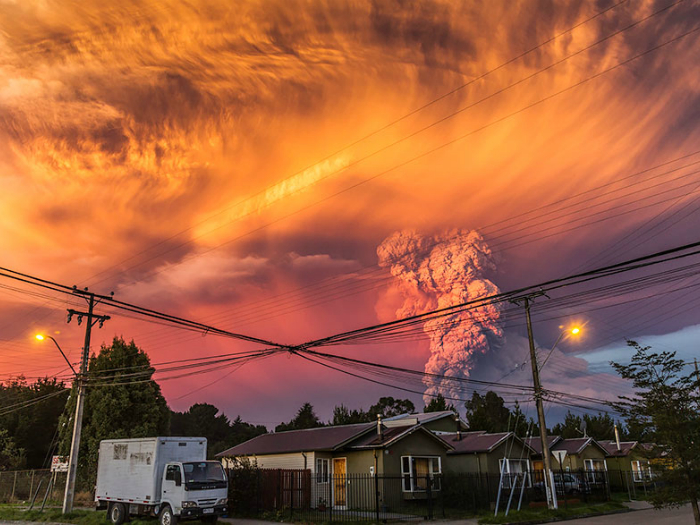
x: 563, y: 486
x: 429, y: 484
x: 31, y: 483
x: 376, y: 495
x: 280, y: 502
x: 291, y: 499
x: 14, y: 484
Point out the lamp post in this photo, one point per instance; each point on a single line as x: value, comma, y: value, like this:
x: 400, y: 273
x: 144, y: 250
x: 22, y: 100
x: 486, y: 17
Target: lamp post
x: 41, y: 337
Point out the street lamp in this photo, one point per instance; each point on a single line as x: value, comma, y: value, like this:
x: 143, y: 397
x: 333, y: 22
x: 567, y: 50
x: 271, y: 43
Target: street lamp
x: 41, y: 337
x: 569, y: 331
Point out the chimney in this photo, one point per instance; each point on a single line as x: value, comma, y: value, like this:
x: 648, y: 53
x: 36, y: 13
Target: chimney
x: 459, y: 428
x: 379, y: 427
x: 617, y: 438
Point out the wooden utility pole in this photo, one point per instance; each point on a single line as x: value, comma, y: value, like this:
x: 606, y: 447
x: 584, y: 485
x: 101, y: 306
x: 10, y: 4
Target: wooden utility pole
x: 81, y: 380
x: 548, y: 478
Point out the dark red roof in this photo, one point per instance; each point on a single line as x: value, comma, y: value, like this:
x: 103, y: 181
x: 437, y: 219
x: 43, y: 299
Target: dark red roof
x: 535, y: 443
x: 573, y: 445
x: 611, y: 447
x: 391, y: 434
x: 474, y: 441
x: 372, y: 439
x: 323, y: 438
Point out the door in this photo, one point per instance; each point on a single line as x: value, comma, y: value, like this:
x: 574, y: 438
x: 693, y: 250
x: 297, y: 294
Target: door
x: 172, y: 485
x: 339, y: 482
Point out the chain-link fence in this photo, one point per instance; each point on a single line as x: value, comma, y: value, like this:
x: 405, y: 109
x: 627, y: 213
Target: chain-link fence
x: 28, y: 485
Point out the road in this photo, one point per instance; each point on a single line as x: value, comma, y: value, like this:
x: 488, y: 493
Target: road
x: 682, y: 516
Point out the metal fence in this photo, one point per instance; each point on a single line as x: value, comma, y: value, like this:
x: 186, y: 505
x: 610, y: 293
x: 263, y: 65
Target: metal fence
x: 301, y: 495
x: 28, y: 485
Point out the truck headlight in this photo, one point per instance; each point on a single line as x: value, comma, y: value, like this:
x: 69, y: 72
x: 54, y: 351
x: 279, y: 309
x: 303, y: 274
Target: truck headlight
x: 222, y: 501
x: 187, y: 504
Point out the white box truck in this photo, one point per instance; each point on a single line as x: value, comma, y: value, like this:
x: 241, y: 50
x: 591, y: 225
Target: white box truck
x: 166, y: 477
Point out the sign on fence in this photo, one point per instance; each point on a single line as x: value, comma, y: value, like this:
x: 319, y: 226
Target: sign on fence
x: 59, y: 464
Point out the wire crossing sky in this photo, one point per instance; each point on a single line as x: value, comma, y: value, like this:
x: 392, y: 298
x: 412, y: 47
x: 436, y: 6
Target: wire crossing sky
x: 243, y: 166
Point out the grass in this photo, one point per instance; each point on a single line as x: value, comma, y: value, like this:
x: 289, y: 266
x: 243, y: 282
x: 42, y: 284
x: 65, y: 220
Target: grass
x: 543, y: 515
x: 78, y: 516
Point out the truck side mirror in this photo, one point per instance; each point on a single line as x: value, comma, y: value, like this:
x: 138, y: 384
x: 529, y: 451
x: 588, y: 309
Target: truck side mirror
x: 178, y: 478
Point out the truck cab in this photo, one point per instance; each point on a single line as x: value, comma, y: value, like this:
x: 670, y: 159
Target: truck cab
x: 193, y: 489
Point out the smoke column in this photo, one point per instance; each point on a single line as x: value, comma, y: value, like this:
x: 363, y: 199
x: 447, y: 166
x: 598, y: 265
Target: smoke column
x: 436, y: 272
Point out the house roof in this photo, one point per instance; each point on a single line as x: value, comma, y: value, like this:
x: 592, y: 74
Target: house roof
x: 322, y: 438
x: 423, y: 418
x: 576, y: 445
x: 474, y: 442
x: 625, y: 448
x: 535, y: 443
x: 392, y: 435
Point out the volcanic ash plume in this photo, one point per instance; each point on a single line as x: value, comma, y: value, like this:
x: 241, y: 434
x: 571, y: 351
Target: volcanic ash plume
x: 440, y: 271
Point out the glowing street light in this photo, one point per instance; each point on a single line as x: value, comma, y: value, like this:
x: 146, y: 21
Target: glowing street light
x: 569, y: 331
x: 42, y: 337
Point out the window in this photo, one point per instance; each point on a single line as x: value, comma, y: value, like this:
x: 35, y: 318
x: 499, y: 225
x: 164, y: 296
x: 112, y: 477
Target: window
x: 594, y: 470
x: 322, y: 470
x: 170, y: 472
x: 513, y: 470
x: 416, y: 471
x: 641, y: 471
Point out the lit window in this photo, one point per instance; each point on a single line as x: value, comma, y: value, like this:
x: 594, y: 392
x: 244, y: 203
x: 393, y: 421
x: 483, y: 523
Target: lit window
x: 416, y: 471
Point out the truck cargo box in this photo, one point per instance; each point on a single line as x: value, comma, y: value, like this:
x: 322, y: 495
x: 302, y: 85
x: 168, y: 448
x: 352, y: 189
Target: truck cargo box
x: 131, y: 470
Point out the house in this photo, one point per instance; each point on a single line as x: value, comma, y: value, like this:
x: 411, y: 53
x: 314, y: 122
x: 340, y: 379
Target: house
x: 480, y: 452
x: 578, y: 454
x: 627, y: 461
x: 402, y: 448
x: 535, y: 443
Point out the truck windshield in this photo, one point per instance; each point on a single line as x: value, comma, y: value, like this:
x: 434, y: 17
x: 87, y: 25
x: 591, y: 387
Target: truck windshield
x: 203, y: 471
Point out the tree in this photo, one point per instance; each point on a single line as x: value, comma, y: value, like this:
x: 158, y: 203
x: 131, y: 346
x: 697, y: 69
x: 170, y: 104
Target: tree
x: 600, y: 427
x: 11, y: 457
x: 390, y: 407
x: 305, y: 418
x: 521, y: 425
x: 342, y: 415
x: 667, y: 402
x: 201, y: 419
x: 488, y: 413
x: 33, y: 429
x: 118, y: 404
x: 438, y: 404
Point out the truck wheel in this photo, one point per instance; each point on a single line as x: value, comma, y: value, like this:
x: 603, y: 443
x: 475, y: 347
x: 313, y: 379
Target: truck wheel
x: 167, y: 517
x: 117, y: 513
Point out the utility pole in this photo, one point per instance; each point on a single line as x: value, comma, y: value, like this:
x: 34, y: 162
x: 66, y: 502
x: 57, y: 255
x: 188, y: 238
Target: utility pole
x: 548, y: 479
x: 81, y: 380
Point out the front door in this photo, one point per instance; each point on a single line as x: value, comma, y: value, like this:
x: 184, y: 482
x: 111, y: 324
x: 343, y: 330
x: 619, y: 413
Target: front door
x: 339, y: 482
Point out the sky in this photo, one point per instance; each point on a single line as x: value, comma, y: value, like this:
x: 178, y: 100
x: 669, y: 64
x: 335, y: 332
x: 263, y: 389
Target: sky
x: 246, y: 165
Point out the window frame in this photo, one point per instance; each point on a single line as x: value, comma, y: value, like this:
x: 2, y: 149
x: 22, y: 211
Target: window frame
x: 643, y: 472
x: 591, y: 471
x: 410, y: 476
x: 323, y: 476
x: 507, y: 474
